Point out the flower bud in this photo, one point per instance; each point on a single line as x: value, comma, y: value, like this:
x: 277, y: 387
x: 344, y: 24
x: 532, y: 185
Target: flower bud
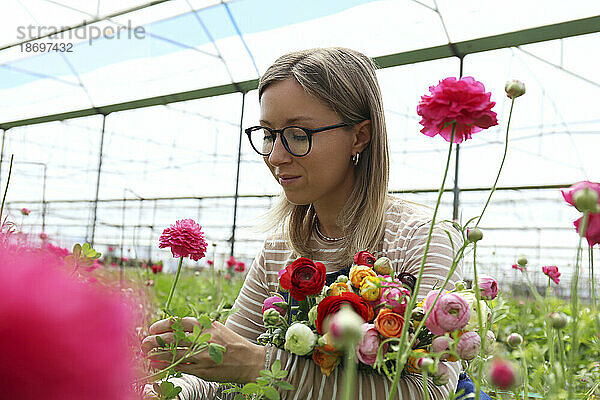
x: 474, y: 235
x: 502, y: 374
x: 417, y: 314
x: 514, y: 89
x: 557, y: 320
x: 586, y: 199
x: 522, y: 261
x: 278, y: 337
x: 460, y: 285
x: 342, y: 278
x: 383, y: 266
x: 312, y: 315
x: 426, y: 364
x: 469, y: 345
x: 514, y: 339
x: 271, y: 317
x: 490, y: 343
x: 442, y: 376
x: 346, y: 327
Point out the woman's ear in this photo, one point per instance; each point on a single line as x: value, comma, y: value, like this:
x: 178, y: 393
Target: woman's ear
x: 362, y: 136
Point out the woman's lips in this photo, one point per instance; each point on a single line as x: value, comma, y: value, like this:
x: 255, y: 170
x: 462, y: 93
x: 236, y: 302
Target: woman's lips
x: 288, y: 181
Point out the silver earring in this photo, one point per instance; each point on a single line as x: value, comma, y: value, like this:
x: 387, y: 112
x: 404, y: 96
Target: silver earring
x: 355, y: 158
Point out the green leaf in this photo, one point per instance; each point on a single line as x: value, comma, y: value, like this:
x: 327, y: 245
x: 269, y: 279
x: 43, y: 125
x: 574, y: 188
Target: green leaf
x: 215, y: 352
x: 276, y: 367
x: 266, y: 374
x: 76, y: 250
x: 160, y: 341
x: 284, y: 385
x: 239, y: 397
x: 197, y: 330
x: 250, y: 388
x: 280, y: 374
x: 205, y: 321
x: 262, y: 381
x: 271, y: 393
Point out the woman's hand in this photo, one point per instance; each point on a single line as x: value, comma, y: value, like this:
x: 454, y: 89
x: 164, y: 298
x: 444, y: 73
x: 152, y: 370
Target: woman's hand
x: 242, y: 360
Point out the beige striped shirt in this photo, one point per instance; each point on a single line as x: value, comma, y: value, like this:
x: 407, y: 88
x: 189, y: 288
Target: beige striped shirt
x: 406, y: 229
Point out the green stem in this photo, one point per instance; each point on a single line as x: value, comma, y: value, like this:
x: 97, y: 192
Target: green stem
x: 593, y: 283
x: 425, y: 386
x: 501, y: 164
x: 174, y: 284
x: 348, y: 392
x: 413, y: 298
x: 6, y: 189
x: 573, y: 353
x: 482, y: 328
x: 563, y: 361
x: 525, y: 374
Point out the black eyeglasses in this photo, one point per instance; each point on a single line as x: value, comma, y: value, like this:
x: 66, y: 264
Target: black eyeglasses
x: 296, y: 139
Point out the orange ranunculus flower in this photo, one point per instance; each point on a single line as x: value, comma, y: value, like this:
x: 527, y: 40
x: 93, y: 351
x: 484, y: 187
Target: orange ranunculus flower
x: 338, y: 288
x: 359, y: 272
x: 411, y: 364
x: 388, y: 323
x: 327, y: 358
x: 370, y: 288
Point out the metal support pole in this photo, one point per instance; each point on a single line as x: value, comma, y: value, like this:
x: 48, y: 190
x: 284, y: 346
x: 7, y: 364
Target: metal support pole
x: 456, y: 189
x: 2, y: 153
x: 98, y: 181
x: 237, y: 177
x: 44, y: 203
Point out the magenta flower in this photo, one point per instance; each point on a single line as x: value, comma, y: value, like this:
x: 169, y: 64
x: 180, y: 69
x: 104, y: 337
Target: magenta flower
x: 518, y: 267
x: 592, y: 232
x: 451, y: 312
x: 25, y: 211
x: 463, y: 102
x: 552, y: 272
x: 57, y: 251
x: 366, y: 351
x: 394, y: 297
x: 185, y: 239
x: 270, y: 303
x: 240, y: 267
x: 43, y: 236
x: 488, y: 287
x: 231, y: 261
x: 210, y: 262
x: 502, y: 374
x: 65, y: 316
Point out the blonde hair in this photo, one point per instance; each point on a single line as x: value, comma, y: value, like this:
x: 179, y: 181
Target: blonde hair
x: 346, y: 81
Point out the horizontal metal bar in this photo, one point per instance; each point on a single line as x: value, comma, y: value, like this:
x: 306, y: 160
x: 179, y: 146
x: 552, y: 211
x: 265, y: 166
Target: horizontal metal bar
x: 517, y: 38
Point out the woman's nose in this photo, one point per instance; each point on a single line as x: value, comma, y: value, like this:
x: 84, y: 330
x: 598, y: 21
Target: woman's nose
x: 279, y: 155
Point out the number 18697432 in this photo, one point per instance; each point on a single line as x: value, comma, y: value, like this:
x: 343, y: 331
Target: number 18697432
x: 46, y: 47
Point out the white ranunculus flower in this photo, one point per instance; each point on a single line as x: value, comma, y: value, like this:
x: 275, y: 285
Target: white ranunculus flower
x: 300, y: 339
x: 471, y: 300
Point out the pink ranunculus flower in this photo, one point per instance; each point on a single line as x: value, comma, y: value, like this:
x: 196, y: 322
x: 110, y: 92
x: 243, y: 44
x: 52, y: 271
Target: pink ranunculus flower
x: 270, y: 303
x: 25, y: 211
x: 56, y: 250
x: 395, y: 298
x: 185, y: 238
x: 231, y: 261
x: 67, y: 316
x: 552, y: 272
x: 469, y: 345
x: 240, y: 267
x: 502, y: 374
x: 367, y: 348
x: 488, y: 287
x: 518, y: 267
x: 451, y: 312
x: 464, y: 102
x: 592, y: 232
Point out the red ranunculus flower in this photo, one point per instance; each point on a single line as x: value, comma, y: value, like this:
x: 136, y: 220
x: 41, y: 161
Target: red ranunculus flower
x: 231, y: 261
x: 364, y: 258
x: 185, y: 238
x: 332, y: 304
x: 240, y: 267
x: 303, y: 278
x: 463, y: 101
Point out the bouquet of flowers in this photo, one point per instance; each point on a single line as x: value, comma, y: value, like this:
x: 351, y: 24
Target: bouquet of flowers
x: 305, y: 318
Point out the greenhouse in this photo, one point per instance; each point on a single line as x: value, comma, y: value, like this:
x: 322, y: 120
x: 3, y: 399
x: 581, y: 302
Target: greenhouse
x: 123, y: 120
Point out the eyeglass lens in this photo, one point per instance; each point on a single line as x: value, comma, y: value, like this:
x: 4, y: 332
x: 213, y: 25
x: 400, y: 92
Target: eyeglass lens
x: 297, y: 141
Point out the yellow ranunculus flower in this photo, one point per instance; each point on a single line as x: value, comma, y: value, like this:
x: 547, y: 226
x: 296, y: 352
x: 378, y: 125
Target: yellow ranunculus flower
x: 369, y: 288
x: 359, y: 272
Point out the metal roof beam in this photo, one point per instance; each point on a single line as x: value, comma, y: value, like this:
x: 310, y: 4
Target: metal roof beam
x: 527, y: 36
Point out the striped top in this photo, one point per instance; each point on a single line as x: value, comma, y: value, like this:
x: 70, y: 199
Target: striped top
x: 406, y: 229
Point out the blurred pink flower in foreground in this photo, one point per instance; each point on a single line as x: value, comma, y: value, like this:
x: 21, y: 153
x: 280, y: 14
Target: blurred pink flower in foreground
x: 67, y: 339
x: 552, y: 273
x: 463, y: 101
x: 592, y: 232
x: 185, y: 238
x: 502, y: 374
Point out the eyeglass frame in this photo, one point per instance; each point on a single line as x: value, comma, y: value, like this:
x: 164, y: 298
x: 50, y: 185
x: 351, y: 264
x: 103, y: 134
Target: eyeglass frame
x: 309, y: 132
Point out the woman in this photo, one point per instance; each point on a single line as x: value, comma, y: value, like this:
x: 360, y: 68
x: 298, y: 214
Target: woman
x: 322, y: 135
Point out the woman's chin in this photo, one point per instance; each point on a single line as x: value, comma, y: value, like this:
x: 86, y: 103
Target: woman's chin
x: 296, y: 198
